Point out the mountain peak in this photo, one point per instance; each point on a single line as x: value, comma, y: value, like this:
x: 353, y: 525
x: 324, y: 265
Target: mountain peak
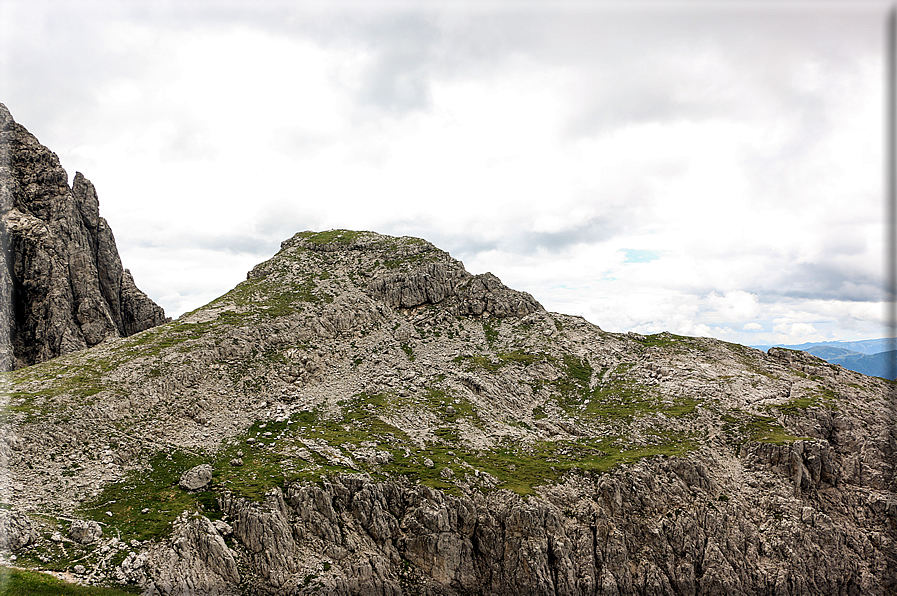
x: 402, y: 272
x: 362, y: 415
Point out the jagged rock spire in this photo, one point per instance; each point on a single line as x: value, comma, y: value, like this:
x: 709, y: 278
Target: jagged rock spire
x: 63, y: 287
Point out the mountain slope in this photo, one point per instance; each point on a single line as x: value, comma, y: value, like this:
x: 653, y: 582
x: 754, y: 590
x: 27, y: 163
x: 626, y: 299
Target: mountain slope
x: 866, y: 346
x: 881, y: 364
x: 870, y: 357
x: 378, y: 420
x: 62, y: 286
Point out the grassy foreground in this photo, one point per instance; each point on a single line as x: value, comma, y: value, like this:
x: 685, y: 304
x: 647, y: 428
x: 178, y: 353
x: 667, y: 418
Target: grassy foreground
x: 20, y: 582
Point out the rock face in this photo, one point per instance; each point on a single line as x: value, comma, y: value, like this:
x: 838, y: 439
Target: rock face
x: 63, y: 287
x: 664, y: 527
x: 196, y: 561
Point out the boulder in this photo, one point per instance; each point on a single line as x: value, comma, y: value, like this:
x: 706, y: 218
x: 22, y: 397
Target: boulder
x: 85, y: 531
x: 196, y: 478
x: 16, y: 530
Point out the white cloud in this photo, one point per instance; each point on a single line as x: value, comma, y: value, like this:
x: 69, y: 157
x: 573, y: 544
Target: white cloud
x: 734, y: 305
x: 538, y: 144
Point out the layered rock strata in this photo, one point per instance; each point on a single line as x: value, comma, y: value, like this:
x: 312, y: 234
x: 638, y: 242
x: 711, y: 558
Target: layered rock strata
x: 62, y: 287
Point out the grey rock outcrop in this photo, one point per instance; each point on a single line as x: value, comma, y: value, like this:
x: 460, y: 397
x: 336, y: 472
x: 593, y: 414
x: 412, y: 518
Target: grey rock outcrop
x: 418, y: 274
x: 194, y: 561
x: 16, y: 530
x: 665, y: 526
x: 63, y: 287
x: 196, y: 478
x: 85, y: 531
x: 474, y: 294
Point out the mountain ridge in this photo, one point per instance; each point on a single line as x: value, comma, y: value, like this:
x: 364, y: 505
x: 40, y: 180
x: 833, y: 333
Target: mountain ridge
x: 363, y: 416
x: 864, y: 346
x: 867, y: 358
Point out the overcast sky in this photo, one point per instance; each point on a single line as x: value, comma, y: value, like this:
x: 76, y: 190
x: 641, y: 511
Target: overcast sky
x: 709, y: 168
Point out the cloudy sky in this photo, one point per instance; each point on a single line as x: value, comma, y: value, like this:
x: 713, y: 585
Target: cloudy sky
x: 706, y: 168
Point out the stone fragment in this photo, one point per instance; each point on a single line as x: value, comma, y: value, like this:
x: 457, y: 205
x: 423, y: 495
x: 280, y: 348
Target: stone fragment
x: 196, y: 478
x: 131, y: 570
x: 16, y: 530
x: 224, y: 528
x: 85, y: 531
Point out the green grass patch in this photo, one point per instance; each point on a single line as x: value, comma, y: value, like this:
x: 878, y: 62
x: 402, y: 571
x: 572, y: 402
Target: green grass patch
x: 662, y: 340
x: 765, y: 429
x: 521, y: 468
x: 742, y: 427
x: 615, y: 396
x: 155, y: 489
x: 490, y: 330
x: 823, y: 398
x: 20, y: 582
x: 330, y: 236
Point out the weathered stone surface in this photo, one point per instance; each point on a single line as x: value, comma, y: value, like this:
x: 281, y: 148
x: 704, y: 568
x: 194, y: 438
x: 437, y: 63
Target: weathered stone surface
x: 85, y: 531
x: 131, y: 570
x: 194, y: 561
x: 772, y: 473
x: 473, y: 294
x: 16, y: 530
x: 63, y: 287
x: 196, y: 478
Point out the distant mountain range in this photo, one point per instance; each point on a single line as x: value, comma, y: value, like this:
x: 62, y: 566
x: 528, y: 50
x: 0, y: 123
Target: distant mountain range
x: 873, y: 357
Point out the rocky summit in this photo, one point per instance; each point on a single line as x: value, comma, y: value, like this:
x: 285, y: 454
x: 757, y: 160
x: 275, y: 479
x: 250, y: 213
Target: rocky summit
x: 362, y: 416
x: 63, y: 287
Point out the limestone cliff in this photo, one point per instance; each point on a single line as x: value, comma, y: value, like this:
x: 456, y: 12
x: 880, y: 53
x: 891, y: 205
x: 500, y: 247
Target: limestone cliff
x: 62, y: 287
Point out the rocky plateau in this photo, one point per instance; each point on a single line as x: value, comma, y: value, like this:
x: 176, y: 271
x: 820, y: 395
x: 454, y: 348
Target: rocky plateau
x: 362, y: 416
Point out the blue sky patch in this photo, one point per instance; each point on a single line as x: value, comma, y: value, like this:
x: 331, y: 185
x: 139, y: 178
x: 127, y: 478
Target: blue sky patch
x: 635, y: 255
